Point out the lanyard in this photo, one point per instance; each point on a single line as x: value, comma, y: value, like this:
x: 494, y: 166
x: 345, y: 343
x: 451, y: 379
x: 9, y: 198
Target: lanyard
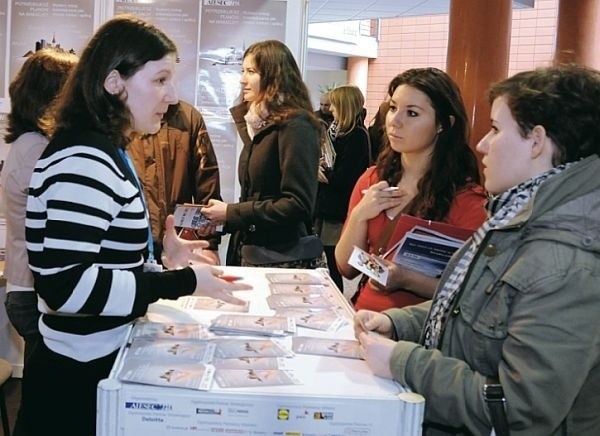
x: 127, y: 160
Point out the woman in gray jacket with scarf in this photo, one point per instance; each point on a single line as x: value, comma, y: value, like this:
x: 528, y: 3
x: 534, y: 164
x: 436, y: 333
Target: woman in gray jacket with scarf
x: 511, y: 339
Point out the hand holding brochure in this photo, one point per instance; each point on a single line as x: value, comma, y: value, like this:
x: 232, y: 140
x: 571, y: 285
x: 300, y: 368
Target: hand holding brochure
x: 190, y: 216
x: 369, y: 264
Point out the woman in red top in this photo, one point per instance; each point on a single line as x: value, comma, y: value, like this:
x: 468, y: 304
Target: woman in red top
x: 428, y: 158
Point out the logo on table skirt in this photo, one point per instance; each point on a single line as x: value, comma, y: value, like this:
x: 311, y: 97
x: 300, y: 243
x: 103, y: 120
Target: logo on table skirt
x: 200, y: 411
x: 323, y: 415
x: 283, y: 414
x: 148, y: 406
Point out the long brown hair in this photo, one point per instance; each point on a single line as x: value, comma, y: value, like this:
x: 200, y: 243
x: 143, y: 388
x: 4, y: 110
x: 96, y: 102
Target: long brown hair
x: 33, y: 92
x: 282, y: 90
x: 453, y: 163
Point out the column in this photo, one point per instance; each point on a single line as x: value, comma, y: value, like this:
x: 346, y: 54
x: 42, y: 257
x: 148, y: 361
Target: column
x: 578, y: 32
x: 478, y: 50
x: 358, y: 73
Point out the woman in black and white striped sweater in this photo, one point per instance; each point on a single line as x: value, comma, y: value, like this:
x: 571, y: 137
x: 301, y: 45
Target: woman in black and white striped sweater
x: 87, y: 228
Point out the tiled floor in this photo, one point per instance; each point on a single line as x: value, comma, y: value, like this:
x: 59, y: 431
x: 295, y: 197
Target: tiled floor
x: 12, y: 392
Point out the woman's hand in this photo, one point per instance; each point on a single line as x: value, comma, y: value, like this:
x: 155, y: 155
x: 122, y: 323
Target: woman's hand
x: 377, y: 199
x: 216, y: 211
x: 369, y: 321
x: 377, y: 351
x: 406, y: 280
x: 177, y: 252
x: 208, y: 284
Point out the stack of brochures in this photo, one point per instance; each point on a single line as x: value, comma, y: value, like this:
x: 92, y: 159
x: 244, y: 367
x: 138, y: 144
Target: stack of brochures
x: 426, y: 251
x: 174, y: 355
x: 262, y: 325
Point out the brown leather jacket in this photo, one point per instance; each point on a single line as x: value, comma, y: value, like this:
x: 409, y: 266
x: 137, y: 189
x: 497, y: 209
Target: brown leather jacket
x: 176, y: 165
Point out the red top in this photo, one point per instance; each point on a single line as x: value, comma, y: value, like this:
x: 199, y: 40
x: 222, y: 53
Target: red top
x: 466, y: 211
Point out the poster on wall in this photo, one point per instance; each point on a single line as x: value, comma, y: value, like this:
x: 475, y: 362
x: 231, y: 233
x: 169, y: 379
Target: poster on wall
x: 65, y: 25
x: 179, y: 20
x: 227, y: 28
x: 3, y: 25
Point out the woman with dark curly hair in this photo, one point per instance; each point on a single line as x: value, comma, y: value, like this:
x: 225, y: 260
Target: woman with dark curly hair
x: 428, y: 158
x: 510, y: 341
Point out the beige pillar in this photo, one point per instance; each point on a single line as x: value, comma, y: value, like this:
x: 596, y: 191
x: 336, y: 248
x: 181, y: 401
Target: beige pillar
x: 478, y: 50
x: 358, y: 73
x: 578, y: 32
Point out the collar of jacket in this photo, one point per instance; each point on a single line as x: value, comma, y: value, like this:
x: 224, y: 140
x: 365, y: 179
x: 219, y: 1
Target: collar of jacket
x: 568, y: 202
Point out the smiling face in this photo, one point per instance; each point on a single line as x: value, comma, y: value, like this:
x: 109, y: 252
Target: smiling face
x: 149, y: 92
x: 410, y: 121
x: 507, y: 156
x: 250, y: 79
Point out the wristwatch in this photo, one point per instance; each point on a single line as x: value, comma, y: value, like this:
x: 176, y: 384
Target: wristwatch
x: 494, y: 397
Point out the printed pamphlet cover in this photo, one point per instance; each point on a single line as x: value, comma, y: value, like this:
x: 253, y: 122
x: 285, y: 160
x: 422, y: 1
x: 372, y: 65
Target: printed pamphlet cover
x: 318, y: 319
x: 369, y: 264
x: 172, y: 350
x: 426, y: 251
x: 299, y: 278
x: 161, y: 330
x: 297, y: 289
x: 264, y: 325
x: 207, y: 303
x: 290, y: 300
x: 250, y: 363
x: 243, y: 378
x: 228, y: 348
x: 189, y: 216
x: 326, y: 347
x: 197, y: 376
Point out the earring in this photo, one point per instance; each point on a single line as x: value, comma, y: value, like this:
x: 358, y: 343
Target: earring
x: 440, y: 130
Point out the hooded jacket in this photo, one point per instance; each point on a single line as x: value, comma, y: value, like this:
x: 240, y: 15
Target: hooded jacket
x: 527, y: 314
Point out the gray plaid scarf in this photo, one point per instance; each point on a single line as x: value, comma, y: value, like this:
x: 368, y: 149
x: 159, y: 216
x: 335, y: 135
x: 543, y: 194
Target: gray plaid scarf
x: 501, y: 210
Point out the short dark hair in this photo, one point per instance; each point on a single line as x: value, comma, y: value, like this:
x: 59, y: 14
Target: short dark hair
x: 564, y: 99
x: 34, y: 89
x: 453, y: 163
x: 125, y: 44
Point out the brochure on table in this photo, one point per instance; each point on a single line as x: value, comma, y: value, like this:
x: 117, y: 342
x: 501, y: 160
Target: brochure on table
x: 316, y: 387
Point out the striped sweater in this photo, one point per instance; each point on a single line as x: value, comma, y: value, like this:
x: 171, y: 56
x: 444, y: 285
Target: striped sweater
x: 86, y: 229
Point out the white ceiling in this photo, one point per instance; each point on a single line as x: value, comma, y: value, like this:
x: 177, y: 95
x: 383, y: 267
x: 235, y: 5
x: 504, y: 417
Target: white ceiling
x: 320, y: 11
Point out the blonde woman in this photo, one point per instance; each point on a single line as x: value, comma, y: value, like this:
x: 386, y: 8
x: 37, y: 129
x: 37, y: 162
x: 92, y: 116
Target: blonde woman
x: 350, y: 142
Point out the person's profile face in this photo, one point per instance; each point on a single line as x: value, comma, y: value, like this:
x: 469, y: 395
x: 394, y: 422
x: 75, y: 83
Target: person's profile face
x: 334, y: 112
x: 410, y: 121
x: 325, y: 105
x: 506, y: 154
x: 250, y: 79
x: 149, y: 92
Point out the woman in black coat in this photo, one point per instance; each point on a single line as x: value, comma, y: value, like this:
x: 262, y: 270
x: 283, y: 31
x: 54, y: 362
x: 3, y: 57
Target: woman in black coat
x: 277, y: 167
x: 339, y: 171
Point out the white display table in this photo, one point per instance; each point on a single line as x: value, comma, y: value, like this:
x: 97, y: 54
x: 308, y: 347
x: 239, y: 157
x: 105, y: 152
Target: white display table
x: 337, y: 396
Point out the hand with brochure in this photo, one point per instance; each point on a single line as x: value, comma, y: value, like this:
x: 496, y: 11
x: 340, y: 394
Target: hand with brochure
x: 420, y: 256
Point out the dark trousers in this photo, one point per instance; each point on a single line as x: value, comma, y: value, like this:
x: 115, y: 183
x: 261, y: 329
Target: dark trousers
x: 60, y: 393
x: 21, y: 308
x: 333, y: 270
